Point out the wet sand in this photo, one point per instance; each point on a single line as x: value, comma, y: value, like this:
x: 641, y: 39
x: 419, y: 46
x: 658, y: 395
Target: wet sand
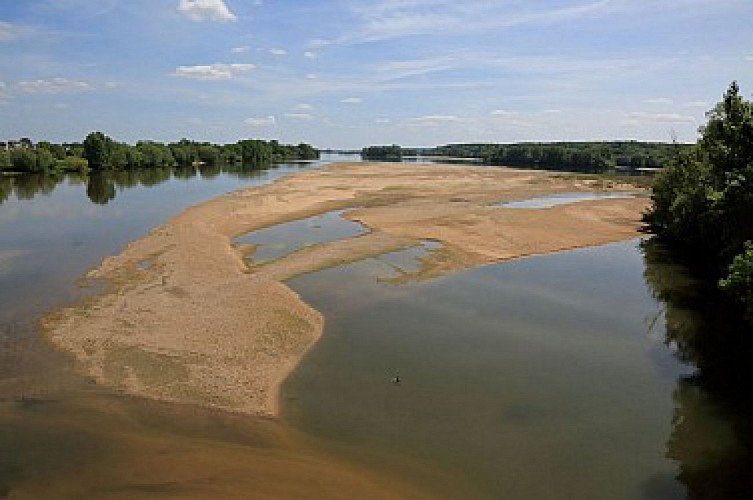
x: 184, y: 319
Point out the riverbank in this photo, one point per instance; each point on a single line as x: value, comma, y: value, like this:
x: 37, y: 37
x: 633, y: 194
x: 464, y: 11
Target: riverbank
x: 184, y: 319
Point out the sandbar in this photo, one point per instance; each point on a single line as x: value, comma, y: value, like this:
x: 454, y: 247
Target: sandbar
x: 185, y: 319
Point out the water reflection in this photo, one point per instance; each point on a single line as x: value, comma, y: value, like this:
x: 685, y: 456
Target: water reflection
x: 102, y: 187
x: 274, y: 242
x: 564, y: 199
x: 527, y: 379
x: 712, y: 427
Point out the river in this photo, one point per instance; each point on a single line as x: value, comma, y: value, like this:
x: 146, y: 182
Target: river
x: 604, y: 372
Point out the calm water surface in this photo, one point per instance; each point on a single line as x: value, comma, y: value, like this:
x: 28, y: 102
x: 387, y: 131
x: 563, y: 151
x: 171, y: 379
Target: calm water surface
x: 563, y: 199
x: 584, y: 374
x: 277, y: 241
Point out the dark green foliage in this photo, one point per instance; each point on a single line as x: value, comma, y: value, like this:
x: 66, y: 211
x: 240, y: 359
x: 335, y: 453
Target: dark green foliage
x: 385, y: 153
x: 209, y: 155
x: 57, y: 150
x: 24, y: 160
x: 73, y: 163
x: 5, y: 162
x: 97, y: 150
x: 100, y: 152
x: 45, y: 160
x: 256, y: 152
x: 703, y: 201
x: 570, y: 156
x: 553, y: 156
x: 306, y: 152
x: 739, y: 280
x: 28, y: 160
x: 588, y: 157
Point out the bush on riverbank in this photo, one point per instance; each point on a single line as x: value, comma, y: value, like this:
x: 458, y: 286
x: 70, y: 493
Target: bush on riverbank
x: 703, y: 201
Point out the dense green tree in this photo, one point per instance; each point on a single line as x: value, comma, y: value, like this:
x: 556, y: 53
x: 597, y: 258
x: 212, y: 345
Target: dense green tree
x: 45, y: 160
x: 208, y: 154
x: 703, y: 201
x: 97, y: 149
x: 24, y: 160
x: 57, y: 150
x: 739, y: 280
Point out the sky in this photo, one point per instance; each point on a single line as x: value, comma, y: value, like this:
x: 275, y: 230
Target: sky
x: 351, y: 73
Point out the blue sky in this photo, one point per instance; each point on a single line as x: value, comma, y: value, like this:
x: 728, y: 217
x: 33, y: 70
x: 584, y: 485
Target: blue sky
x: 348, y: 73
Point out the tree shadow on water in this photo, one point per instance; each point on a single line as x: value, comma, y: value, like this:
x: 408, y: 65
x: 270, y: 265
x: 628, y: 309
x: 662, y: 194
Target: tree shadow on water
x: 712, y: 427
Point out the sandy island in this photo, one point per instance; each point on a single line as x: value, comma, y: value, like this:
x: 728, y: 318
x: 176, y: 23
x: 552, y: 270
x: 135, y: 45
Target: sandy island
x: 185, y: 319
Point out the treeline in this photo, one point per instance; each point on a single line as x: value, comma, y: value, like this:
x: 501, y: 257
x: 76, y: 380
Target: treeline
x: 570, y: 156
x: 100, y: 152
x: 703, y: 200
x: 383, y: 153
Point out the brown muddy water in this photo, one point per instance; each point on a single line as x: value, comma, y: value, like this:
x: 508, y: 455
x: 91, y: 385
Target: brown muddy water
x: 585, y: 374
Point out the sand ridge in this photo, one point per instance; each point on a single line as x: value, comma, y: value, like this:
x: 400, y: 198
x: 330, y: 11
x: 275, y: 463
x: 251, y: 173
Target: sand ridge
x: 185, y: 319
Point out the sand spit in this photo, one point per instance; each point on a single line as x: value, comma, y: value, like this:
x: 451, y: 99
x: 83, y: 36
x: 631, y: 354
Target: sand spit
x: 184, y: 319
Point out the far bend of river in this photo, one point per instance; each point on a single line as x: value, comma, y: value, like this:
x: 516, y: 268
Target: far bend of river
x: 604, y: 372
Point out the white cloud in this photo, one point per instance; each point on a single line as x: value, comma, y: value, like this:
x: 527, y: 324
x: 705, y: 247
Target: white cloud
x: 304, y: 107
x: 112, y: 85
x: 510, y: 118
x: 212, y: 71
x: 318, y: 43
x: 641, y: 116
x: 52, y: 86
x: 240, y: 50
x: 552, y: 111
x: 352, y: 100
x: 749, y: 58
x: 383, y: 121
x: 7, y: 31
x: 504, y: 113
x: 390, y: 19
x: 659, y: 100
x: 206, y: 10
x: 697, y: 104
x: 267, y: 121
x: 309, y: 54
x: 311, y: 76
x: 299, y: 116
x: 415, y: 67
x: 278, y: 52
x: 431, y: 121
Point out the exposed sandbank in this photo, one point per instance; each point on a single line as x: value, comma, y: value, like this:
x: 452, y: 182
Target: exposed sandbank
x: 184, y: 319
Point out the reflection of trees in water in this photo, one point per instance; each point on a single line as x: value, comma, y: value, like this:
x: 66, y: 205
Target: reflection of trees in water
x: 26, y: 187
x: 100, y: 189
x: 102, y: 186
x: 712, y: 428
x: 6, y: 188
